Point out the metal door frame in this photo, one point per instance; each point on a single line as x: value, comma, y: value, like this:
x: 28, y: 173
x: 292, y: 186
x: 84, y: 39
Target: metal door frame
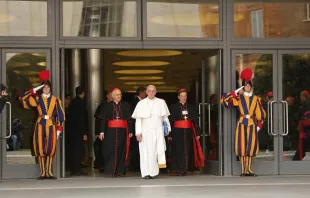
x: 259, y: 167
x: 214, y: 167
x: 14, y: 171
x: 288, y: 167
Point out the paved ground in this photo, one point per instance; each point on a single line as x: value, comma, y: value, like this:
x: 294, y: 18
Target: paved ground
x: 166, y: 186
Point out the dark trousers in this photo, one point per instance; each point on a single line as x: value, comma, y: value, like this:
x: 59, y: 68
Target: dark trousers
x: 76, y: 152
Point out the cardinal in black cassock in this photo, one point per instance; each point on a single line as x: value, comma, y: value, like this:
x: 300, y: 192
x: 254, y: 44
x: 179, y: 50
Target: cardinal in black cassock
x: 186, y: 151
x: 116, y: 130
x: 98, y: 144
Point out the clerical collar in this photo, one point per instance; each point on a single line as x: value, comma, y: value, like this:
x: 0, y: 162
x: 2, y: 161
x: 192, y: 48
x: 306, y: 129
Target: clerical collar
x: 150, y: 99
x: 46, y: 95
x: 249, y: 94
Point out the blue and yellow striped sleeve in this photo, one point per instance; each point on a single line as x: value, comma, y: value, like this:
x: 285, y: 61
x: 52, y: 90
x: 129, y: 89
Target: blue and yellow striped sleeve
x: 60, y: 114
x: 28, y: 100
x: 259, y: 111
x: 230, y: 100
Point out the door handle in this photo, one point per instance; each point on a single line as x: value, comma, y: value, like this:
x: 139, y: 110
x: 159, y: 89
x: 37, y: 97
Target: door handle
x: 10, y: 120
x: 202, y: 126
x: 209, y: 119
x: 285, y: 118
x: 270, y: 118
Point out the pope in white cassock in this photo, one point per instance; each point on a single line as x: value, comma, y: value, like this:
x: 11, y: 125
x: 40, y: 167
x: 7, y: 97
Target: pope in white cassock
x: 150, y: 113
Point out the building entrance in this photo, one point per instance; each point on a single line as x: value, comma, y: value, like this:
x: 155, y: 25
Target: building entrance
x: 281, y: 79
x: 100, y: 70
x: 19, y: 71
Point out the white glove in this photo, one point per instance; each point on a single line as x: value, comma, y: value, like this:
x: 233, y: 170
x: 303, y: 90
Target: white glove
x: 257, y: 128
x: 37, y: 88
x: 58, y: 133
x: 237, y: 91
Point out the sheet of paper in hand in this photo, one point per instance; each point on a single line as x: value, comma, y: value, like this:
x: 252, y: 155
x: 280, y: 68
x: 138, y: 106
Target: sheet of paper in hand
x: 165, y: 128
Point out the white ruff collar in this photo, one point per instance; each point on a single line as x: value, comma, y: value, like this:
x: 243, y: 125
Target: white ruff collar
x: 46, y: 95
x: 249, y: 94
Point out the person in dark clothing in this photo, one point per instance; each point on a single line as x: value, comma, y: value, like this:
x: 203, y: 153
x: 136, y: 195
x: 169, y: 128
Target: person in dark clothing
x: 134, y: 148
x: 116, y: 130
x: 77, y: 129
x: 186, y: 150
x: 98, y: 144
x: 3, y: 97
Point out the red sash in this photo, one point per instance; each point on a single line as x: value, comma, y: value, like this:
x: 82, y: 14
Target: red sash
x: 121, y: 124
x: 198, y: 154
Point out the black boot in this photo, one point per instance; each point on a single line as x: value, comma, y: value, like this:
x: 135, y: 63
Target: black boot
x: 41, y: 177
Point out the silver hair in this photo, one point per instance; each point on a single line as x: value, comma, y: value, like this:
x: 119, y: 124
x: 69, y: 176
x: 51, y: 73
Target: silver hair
x: 151, y: 86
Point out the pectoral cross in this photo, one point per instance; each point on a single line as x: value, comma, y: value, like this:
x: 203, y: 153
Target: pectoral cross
x: 185, y: 117
x: 117, y: 117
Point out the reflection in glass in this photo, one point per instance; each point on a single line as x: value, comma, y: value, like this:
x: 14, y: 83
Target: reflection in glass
x: 273, y: 19
x: 23, y: 18
x: 22, y: 74
x: 261, y: 65
x: 101, y: 18
x: 296, y: 87
x: 189, y: 18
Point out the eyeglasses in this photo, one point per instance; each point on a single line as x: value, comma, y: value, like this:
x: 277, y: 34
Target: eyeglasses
x: 118, y: 94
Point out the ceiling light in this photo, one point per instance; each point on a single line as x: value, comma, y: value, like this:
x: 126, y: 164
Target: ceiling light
x: 144, y: 83
x: 130, y: 91
x: 149, y: 53
x: 137, y: 71
x: 43, y: 64
x: 18, y: 64
x: 167, y: 91
x: 161, y: 87
x: 160, y: 91
x: 140, y: 78
x: 39, y: 54
x: 140, y: 63
x: 28, y: 73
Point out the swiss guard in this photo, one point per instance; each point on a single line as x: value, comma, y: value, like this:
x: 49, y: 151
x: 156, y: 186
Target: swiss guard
x: 250, y: 121
x: 49, y: 124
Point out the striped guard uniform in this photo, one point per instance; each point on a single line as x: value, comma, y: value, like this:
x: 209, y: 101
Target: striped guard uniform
x: 45, y: 133
x: 251, y: 115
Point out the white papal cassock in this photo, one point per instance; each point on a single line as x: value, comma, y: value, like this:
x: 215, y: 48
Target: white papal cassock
x: 150, y: 115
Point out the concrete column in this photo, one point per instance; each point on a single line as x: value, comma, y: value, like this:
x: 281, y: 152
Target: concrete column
x: 94, y: 82
x: 76, y: 70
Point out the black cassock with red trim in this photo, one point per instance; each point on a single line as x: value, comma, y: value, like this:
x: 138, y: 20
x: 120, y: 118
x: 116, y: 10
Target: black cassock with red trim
x: 186, y: 152
x: 116, y: 124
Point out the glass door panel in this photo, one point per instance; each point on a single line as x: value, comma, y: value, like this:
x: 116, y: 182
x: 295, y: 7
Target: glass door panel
x: 263, y: 65
x: 210, y: 120
x: 295, y: 112
x: 20, y: 70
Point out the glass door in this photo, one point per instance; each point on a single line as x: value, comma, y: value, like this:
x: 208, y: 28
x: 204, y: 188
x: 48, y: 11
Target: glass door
x: 294, y: 99
x: 19, y: 71
x: 264, y: 66
x: 210, y: 114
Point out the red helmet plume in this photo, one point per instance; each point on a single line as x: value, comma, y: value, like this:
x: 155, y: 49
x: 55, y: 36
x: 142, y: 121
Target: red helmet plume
x: 44, y: 75
x: 246, y: 75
